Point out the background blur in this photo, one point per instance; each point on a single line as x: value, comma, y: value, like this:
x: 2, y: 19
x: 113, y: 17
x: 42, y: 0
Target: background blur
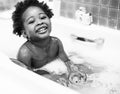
x: 105, y: 12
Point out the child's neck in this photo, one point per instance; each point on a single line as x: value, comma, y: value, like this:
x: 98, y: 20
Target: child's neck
x: 42, y: 42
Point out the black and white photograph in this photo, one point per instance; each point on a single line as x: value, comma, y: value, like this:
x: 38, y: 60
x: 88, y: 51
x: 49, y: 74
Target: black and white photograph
x: 60, y: 46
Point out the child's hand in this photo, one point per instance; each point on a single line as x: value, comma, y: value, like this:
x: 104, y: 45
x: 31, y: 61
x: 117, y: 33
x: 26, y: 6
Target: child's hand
x: 71, y: 67
x: 68, y: 65
x: 74, y: 68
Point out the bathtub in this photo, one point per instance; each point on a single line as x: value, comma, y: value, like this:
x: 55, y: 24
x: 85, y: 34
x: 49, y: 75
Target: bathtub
x: 17, y: 80
x: 106, y: 54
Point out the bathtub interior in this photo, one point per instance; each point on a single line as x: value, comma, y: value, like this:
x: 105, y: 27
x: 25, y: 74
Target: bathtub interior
x: 106, y: 54
x: 17, y: 80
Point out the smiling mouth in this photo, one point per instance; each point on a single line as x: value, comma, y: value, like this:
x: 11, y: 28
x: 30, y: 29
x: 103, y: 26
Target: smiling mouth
x: 43, y: 29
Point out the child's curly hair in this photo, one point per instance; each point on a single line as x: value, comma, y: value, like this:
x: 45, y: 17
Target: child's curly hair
x: 21, y: 7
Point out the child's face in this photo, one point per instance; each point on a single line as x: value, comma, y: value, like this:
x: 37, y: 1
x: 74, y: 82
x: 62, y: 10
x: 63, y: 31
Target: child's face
x: 36, y: 23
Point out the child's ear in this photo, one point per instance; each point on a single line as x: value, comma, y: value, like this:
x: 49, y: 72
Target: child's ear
x: 24, y: 34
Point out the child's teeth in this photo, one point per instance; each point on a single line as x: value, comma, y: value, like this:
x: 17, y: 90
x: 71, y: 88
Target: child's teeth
x: 42, y: 30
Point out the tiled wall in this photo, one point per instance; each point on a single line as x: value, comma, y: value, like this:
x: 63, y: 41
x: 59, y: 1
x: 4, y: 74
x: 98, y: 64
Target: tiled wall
x: 105, y: 12
x: 7, y: 4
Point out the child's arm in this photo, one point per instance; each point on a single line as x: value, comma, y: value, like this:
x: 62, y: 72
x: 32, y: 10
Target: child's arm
x: 63, y: 56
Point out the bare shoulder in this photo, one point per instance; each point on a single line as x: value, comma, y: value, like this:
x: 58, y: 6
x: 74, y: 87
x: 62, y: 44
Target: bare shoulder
x: 24, y: 55
x: 24, y: 51
x: 55, y: 38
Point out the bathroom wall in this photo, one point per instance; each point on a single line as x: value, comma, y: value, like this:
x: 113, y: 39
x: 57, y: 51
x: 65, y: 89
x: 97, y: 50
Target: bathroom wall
x: 105, y: 12
x: 7, y: 4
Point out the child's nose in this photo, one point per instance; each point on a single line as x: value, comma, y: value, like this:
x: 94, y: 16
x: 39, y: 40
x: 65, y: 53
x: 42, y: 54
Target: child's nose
x: 39, y: 21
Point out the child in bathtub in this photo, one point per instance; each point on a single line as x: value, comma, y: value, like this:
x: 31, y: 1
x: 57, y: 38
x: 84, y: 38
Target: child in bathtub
x: 31, y: 19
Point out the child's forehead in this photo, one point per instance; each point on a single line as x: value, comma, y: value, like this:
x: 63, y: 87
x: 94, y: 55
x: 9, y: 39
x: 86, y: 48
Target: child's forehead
x: 33, y: 10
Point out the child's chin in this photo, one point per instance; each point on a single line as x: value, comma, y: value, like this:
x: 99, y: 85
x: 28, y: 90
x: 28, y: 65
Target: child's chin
x: 44, y: 36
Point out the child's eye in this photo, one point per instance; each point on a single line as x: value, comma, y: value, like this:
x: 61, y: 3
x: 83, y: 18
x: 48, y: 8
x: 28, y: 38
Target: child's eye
x: 43, y: 17
x: 30, y: 22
